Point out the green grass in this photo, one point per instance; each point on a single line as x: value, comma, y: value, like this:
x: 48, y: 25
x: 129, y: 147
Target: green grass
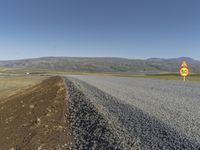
x: 173, y: 76
x: 164, y: 76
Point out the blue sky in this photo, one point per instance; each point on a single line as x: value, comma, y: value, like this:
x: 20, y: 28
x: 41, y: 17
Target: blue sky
x: 111, y: 28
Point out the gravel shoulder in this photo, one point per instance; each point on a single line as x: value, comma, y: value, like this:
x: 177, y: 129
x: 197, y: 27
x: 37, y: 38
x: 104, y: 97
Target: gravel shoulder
x: 91, y: 130
x: 157, y: 115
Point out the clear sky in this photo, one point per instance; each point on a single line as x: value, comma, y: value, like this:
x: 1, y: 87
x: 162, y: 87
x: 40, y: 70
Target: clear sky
x: 113, y: 28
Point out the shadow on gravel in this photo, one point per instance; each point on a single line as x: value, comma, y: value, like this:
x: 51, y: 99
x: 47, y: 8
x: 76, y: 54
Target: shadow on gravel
x: 152, y: 133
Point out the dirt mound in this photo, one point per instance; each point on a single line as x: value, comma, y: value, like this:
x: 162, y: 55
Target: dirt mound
x: 36, y: 118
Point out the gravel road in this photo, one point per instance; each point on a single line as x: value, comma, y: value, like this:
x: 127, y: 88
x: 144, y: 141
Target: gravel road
x: 90, y: 128
x: 154, y: 114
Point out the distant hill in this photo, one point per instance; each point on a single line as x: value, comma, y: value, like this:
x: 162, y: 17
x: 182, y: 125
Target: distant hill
x: 104, y: 64
x: 175, y: 60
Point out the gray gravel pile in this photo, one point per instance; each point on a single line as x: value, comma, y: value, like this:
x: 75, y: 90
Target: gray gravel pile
x: 90, y: 129
x: 152, y: 133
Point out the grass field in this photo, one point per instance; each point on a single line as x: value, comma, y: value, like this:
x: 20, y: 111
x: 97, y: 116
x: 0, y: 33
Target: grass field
x: 9, y: 84
x: 192, y: 77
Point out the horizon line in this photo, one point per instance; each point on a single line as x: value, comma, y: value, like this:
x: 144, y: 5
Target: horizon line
x: 99, y: 57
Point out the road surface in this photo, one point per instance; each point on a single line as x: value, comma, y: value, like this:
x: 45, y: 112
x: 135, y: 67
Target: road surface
x: 154, y: 114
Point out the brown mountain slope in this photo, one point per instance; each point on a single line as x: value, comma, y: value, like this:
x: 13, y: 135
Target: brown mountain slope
x: 36, y: 118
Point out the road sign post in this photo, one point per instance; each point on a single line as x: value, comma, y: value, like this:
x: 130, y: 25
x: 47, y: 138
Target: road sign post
x: 184, y: 71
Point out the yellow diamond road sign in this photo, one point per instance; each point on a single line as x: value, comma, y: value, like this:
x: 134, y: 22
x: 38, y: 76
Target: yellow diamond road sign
x: 184, y: 64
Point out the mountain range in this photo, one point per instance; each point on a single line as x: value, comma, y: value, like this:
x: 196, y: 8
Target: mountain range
x: 104, y: 64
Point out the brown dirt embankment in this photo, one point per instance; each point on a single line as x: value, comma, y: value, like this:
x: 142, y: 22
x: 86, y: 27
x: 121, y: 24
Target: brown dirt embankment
x: 36, y: 118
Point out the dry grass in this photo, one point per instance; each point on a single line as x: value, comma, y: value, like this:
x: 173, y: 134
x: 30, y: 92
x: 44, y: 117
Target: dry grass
x: 10, y: 84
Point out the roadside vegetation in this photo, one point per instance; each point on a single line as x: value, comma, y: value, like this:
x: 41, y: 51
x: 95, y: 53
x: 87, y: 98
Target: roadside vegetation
x: 191, y: 77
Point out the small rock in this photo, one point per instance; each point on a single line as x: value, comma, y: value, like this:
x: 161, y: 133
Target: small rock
x: 31, y: 106
x: 40, y: 147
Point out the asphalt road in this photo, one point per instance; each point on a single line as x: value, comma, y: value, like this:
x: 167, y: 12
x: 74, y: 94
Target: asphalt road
x: 156, y: 114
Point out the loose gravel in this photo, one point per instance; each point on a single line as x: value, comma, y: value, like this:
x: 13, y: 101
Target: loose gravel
x: 155, y: 114
x: 90, y: 129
